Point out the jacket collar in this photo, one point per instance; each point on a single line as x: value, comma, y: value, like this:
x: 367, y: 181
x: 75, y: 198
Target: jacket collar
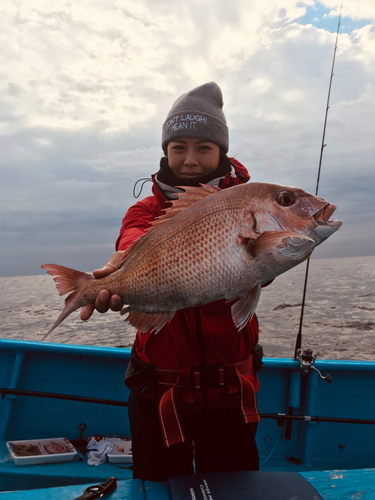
x: 237, y: 175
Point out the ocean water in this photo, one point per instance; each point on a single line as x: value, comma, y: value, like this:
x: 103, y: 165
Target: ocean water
x: 339, y: 318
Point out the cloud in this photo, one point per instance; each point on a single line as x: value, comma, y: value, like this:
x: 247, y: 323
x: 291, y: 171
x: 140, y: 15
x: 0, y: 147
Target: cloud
x: 363, y: 9
x: 87, y: 86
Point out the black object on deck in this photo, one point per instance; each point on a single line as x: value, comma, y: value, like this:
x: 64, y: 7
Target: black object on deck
x: 242, y: 486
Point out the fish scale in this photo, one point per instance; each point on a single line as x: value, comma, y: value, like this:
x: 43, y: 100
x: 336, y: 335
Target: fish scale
x: 176, y: 277
x: 210, y: 244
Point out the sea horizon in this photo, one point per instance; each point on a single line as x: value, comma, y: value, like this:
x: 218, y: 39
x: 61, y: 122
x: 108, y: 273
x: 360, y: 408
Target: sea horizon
x: 339, y: 318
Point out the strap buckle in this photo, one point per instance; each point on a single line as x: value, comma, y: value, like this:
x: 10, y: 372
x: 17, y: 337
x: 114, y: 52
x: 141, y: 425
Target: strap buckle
x: 208, y: 377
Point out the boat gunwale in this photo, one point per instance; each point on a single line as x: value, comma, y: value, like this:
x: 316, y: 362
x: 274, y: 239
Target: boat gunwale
x: 92, y: 350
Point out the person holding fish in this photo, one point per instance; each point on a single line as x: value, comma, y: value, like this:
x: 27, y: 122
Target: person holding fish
x: 191, y: 276
x: 186, y: 381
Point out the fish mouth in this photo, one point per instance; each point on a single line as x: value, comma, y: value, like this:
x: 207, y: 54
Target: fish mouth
x: 322, y: 216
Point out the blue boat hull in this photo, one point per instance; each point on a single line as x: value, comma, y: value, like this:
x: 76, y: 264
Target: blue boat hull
x: 98, y: 373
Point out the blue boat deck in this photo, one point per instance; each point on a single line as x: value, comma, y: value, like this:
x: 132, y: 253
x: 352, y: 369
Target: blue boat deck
x: 69, y: 480
x: 332, y: 485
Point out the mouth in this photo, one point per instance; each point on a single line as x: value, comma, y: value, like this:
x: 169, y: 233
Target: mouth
x: 322, y: 216
x: 191, y: 175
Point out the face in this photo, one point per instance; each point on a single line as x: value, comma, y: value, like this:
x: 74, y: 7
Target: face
x: 190, y: 157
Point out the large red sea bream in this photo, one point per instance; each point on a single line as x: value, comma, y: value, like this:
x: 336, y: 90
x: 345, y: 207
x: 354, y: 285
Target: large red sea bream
x: 211, y: 244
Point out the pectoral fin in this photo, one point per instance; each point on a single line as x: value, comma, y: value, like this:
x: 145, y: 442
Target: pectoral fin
x: 268, y: 241
x: 244, y: 308
x: 146, y: 321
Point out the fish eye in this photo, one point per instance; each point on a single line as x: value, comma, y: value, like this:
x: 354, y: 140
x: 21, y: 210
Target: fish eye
x: 285, y: 199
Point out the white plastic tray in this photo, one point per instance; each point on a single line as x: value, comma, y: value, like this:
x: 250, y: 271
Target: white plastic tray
x: 118, y: 456
x: 41, y: 451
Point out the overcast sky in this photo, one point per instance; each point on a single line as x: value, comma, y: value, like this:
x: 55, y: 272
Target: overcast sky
x: 85, y: 87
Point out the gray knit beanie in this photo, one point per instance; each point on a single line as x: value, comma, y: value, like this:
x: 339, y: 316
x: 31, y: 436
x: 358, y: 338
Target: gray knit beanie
x: 198, y: 113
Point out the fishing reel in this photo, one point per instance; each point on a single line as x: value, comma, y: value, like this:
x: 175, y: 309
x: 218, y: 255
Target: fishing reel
x: 306, y: 359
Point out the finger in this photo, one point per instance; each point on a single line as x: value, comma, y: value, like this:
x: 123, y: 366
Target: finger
x: 112, y: 265
x: 102, y: 301
x: 104, y: 271
x: 116, y: 303
x: 86, y: 312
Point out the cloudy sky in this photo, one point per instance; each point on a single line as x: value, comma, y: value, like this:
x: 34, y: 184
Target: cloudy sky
x: 85, y: 87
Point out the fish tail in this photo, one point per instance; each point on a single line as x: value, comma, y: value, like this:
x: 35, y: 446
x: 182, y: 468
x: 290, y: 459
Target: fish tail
x: 67, y: 280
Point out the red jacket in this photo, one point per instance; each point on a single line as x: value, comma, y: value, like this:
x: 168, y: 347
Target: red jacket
x: 182, y: 343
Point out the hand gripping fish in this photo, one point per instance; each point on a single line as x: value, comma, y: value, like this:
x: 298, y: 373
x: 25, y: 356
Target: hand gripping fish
x: 211, y: 244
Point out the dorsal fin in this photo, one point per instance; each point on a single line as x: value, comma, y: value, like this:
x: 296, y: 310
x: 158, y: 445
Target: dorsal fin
x: 191, y: 195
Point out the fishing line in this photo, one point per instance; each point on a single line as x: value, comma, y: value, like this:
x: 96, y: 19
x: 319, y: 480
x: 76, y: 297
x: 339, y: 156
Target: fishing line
x: 273, y: 449
x: 323, y: 145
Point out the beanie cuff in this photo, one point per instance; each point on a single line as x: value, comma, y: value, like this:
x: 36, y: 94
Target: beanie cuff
x: 196, y: 124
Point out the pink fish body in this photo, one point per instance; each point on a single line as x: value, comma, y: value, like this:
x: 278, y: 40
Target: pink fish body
x: 210, y: 245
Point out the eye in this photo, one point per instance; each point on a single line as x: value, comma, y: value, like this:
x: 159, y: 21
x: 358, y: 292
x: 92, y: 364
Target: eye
x: 285, y: 198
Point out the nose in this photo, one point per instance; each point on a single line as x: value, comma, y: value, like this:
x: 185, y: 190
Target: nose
x: 190, y: 159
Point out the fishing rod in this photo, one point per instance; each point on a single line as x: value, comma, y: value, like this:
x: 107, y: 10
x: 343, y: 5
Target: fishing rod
x: 323, y: 145
x: 53, y: 395
x: 315, y: 418
x: 275, y: 416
